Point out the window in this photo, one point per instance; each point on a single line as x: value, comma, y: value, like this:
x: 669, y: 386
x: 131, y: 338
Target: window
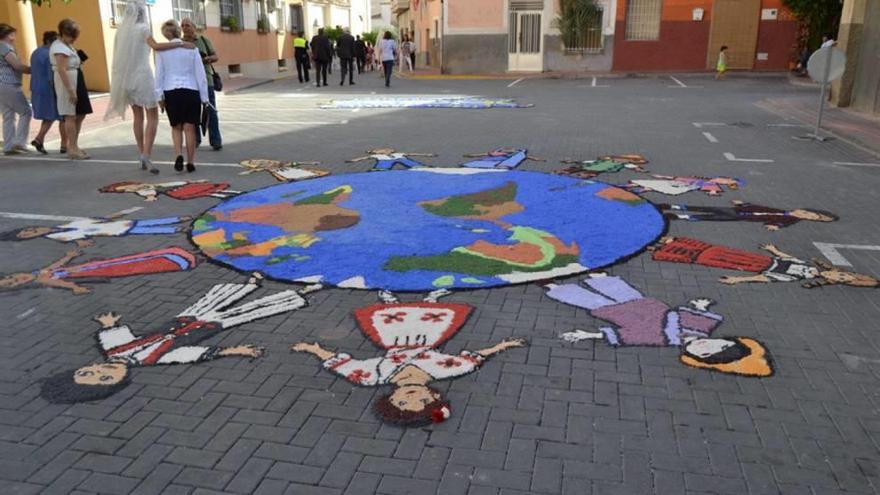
x: 262, y: 16
x: 280, y: 21
x: 586, y: 38
x: 117, y: 9
x: 296, y: 19
x: 230, y: 15
x: 643, y: 19
x: 193, y: 9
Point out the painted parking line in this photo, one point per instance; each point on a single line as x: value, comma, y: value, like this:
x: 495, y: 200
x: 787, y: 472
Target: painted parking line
x: 857, y: 164
x: 730, y: 157
x: 281, y: 122
x: 787, y: 125
x: 678, y: 82
x: 514, y: 83
x: 35, y: 216
x: 831, y: 251
x: 709, y: 137
x: 700, y: 125
x: 97, y: 161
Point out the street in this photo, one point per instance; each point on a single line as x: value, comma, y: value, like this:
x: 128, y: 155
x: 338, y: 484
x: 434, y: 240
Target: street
x: 549, y: 417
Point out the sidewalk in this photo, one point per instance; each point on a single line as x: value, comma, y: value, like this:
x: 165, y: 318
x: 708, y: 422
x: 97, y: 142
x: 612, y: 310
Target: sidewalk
x: 857, y: 128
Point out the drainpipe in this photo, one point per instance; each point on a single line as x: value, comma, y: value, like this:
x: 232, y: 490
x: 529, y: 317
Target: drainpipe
x: 443, y: 37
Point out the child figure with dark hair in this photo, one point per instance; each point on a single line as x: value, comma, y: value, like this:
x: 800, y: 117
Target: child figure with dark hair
x: 772, y: 218
x: 645, y: 321
x: 410, y: 333
x: 87, y: 228
x: 178, y: 343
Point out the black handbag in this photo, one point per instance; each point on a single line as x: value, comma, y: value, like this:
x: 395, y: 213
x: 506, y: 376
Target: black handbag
x: 217, y: 80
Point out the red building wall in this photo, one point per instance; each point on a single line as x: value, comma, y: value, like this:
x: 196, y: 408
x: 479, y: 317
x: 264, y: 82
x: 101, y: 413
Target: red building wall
x: 683, y: 42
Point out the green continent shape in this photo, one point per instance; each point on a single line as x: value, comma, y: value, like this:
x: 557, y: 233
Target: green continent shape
x: 324, y: 198
x: 602, y: 166
x: 463, y: 260
x: 465, y: 205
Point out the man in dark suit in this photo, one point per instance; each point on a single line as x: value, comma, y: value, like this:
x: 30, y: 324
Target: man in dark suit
x: 360, y: 53
x: 345, y: 50
x: 322, y: 52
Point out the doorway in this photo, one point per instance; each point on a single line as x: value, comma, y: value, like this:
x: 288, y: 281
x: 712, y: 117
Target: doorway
x: 735, y: 24
x: 525, y: 43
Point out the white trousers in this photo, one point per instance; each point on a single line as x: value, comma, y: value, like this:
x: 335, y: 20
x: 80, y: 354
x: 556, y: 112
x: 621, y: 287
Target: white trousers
x: 12, y: 103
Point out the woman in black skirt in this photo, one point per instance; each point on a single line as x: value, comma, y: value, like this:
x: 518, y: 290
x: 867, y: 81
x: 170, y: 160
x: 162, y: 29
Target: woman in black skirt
x: 182, y: 90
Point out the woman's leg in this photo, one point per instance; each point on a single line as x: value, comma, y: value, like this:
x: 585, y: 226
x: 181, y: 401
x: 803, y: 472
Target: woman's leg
x: 177, y: 139
x: 72, y: 139
x: 45, y: 125
x: 138, y: 127
x: 150, y: 131
x: 62, y: 130
x: 190, y: 131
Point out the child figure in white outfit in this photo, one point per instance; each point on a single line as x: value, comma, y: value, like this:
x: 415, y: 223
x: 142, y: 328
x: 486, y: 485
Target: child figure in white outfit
x: 410, y: 334
x: 177, y: 343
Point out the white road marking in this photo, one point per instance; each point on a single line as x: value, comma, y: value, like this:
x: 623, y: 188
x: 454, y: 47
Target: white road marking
x: 127, y: 211
x: 732, y: 158
x: 856, y: 164
x: 700, y: 125
x: 710, y: 137
x: 34, y: 216
x: 831, y: 251
x: 111, y: 162
x: 787, y: 125
x: 278, y: 122
x: 514, y: 83
x: 677, y: 81
x: 26, y: 314
x: 356, y: 110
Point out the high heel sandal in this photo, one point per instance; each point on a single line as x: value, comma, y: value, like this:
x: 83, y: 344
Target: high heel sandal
x: 39, y: 147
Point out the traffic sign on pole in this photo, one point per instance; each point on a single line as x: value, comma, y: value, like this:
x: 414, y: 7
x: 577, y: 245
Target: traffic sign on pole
x: 825, y: 66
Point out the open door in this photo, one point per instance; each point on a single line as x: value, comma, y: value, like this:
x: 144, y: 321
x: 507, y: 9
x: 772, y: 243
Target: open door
x: 735, y: 24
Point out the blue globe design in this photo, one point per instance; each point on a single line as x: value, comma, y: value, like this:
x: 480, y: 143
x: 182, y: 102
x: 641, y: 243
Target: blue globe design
x: 428, y: 228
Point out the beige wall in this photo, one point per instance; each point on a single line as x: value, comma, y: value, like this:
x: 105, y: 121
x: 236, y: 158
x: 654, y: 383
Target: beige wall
x: 469, y: 14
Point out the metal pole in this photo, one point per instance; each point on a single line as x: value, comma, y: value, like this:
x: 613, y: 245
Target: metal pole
x: 823, y: 93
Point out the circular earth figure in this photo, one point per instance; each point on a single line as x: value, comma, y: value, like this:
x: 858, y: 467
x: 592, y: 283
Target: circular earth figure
x: 428, y: 228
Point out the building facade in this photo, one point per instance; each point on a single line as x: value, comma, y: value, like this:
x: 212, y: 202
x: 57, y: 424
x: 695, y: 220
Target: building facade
x: 521, y: 35
x: 420, y: 20
x: 628, y: 35
x: 859, y: 37
x: 686, y: 35
x: 254, y: 38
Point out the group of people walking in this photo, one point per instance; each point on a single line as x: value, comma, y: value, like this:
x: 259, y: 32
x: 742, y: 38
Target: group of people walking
x: 58, y: 90
x: 352, y: 51
x: 183, y: 87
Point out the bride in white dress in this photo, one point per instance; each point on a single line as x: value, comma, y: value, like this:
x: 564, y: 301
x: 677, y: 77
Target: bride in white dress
x: 132, y: 81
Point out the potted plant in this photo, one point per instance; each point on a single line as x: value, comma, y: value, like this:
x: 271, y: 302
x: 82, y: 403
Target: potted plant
x: 230, y: 24
x: 576, y: 17
x: 263, y: 25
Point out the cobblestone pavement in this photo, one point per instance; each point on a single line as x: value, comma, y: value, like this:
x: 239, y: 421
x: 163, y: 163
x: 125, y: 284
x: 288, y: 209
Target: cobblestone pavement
x: 551, y: 418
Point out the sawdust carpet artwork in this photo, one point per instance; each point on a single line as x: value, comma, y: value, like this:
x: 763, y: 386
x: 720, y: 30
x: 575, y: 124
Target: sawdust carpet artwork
x: 426, y: 228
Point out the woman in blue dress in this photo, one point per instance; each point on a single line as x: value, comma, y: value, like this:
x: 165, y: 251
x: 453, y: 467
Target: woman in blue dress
x: 43, y: 93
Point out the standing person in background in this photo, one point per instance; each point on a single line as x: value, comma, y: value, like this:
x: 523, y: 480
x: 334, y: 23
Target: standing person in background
x: 12, y: 100
x: 132, y: 76
x: 182, y: 90
x: 322, y: 52
x: 721, y: 66
x: 345, y: 49
x: 66, y: 64
x: 406, y: 53
x: 387, y: 54
x: 412, y: 53
x: 209, y: 56
x: 301, y: 55
x: 360, y: 53
x: 371, y: 57
x: 42, y: 94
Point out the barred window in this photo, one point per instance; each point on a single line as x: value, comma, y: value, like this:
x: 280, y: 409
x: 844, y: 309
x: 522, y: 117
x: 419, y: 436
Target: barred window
x: 643, y: 19
x: 230, y: 15
x: 193, y: 9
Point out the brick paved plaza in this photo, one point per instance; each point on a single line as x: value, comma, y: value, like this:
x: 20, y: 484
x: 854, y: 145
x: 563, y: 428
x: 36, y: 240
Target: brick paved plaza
x: 551, y: 417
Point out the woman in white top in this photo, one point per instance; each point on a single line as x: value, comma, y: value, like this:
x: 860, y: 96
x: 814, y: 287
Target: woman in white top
x: 12, y: 99
x: 182, y: 90
x: 65, y: 62
x: 387, y: 51
x: 133, y: 83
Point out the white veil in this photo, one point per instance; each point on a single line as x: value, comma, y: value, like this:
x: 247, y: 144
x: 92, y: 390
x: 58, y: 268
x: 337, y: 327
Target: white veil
x: 131, y: 61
